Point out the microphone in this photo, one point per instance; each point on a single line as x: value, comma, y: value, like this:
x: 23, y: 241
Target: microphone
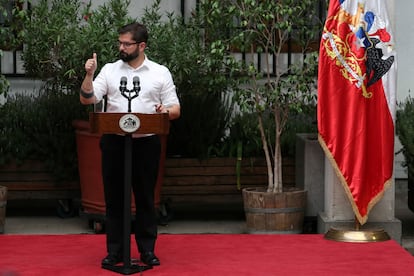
x: 136, y: 83
x: 122, y: 84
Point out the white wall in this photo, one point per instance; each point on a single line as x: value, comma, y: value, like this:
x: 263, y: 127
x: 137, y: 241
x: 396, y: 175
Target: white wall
x: 404, y: 33
x: 136, y: 9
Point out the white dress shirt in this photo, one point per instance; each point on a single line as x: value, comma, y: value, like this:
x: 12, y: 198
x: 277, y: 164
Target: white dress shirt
x: 157, y: 86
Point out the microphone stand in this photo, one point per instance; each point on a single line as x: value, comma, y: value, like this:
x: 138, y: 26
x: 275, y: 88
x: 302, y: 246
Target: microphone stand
x: 130, y: 97
x: 128, y: 267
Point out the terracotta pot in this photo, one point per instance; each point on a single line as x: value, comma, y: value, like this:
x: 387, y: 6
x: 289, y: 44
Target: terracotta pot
x: 90, y: 172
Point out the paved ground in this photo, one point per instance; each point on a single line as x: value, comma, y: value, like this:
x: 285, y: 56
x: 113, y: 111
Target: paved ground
x: 39, y: 217
x: 406, y: 216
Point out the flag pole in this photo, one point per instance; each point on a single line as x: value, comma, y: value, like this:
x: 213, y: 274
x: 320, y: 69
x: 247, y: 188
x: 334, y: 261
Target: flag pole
x: 357, y: 224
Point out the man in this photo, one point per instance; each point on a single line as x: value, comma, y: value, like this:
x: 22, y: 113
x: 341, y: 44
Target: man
x: 157, y: 94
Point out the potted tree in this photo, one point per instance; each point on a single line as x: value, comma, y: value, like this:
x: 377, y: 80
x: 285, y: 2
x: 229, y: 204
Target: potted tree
x: 405, y: 132
x: 263, y: 30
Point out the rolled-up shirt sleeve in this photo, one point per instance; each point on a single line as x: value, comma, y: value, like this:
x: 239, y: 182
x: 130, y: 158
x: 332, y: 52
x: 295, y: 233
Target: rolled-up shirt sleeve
x: 168, y: 94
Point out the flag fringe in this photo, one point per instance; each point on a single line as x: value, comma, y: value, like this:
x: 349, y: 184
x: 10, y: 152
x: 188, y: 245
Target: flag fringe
x: 361, y: 219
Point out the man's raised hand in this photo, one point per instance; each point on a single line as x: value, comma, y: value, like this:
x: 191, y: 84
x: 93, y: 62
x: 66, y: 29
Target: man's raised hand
x: 91, y: 64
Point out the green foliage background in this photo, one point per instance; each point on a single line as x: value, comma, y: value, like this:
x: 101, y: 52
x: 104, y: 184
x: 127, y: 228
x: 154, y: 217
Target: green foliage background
x: 59, y: 35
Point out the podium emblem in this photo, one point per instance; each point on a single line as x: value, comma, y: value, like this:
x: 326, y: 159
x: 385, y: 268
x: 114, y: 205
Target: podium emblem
x: 129, y: 123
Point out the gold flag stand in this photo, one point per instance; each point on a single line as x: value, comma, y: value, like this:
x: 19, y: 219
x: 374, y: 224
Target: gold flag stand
x: 357, y: 235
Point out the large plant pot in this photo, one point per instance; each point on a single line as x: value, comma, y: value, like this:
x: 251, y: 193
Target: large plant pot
x: 90, y: 174
x: 3, y: 204
x: 274, y: 213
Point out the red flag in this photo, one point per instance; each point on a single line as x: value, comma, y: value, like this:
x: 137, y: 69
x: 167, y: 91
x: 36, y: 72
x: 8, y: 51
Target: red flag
x: 356, y: 99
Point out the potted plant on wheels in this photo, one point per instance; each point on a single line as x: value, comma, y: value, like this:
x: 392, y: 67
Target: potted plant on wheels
x: 265, y: 30
x: 61, y: 35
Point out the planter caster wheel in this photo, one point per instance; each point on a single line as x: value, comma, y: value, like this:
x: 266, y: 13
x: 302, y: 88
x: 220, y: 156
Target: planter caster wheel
x: 98, y: 227
x: 164, y: 213
x: 65, y: 208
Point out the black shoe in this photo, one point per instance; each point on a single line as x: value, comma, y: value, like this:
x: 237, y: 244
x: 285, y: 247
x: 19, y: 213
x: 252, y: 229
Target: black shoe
x: 149, y: 258
x: 111, y: 259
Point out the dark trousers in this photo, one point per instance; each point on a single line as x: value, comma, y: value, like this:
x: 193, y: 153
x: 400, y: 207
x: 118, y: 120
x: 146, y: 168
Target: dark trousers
x: 146, y: 156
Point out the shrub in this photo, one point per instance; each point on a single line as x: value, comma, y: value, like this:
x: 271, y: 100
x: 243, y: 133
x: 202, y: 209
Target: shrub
x: 38, y: 127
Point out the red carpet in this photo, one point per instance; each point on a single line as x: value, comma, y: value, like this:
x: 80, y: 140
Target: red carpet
x: 208, y: 255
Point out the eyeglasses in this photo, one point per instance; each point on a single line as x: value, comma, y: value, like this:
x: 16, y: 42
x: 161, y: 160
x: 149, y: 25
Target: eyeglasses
x: 127, y: 44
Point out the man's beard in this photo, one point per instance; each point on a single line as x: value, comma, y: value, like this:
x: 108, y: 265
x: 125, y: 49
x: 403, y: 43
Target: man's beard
x: 128, y: 57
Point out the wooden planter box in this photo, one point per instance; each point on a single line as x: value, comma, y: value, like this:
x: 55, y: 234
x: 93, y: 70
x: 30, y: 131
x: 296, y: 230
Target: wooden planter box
x: 186, y: 180
x: 213, y: 180
x: 32, y: 180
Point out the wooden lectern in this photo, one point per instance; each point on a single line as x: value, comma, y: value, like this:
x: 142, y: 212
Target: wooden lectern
x: 128, y: 124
